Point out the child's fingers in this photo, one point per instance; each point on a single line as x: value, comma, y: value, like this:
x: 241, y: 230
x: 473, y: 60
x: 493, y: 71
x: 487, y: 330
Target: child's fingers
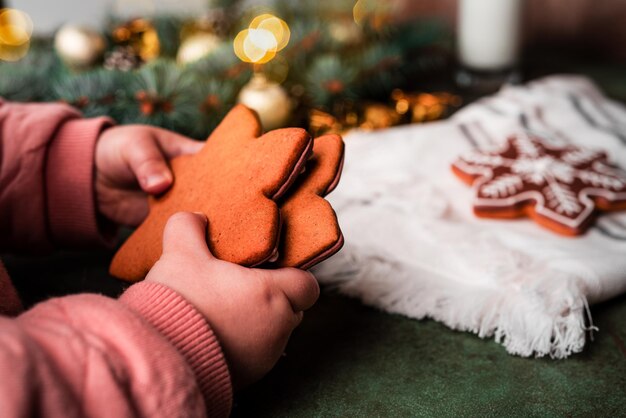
x: 185, y: 234
x: 299, y: 286
x: 131, y: 208
x: 148, y: 164
x: 174, y: 144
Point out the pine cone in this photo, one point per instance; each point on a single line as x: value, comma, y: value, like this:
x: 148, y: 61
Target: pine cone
x: 123, y: 58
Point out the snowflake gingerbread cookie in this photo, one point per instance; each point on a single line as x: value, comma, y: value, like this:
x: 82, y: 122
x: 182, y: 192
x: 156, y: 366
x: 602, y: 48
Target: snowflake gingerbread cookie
x: 560, y: 188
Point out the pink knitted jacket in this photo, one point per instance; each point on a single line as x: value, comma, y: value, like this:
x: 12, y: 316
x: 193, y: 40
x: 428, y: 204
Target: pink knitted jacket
x: 147, y: 354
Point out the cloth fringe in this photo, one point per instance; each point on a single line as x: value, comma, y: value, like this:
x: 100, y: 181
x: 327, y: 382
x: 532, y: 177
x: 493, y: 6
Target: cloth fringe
x: 534, y: 318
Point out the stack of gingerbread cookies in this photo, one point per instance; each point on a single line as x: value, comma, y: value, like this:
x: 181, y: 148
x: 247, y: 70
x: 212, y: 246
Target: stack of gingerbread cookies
x: 262, y: 194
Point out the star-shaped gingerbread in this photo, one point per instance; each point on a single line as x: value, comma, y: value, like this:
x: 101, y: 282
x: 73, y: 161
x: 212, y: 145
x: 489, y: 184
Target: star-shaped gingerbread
x: 560, y: 188
x: 235, y: 180
x: 311, y: 231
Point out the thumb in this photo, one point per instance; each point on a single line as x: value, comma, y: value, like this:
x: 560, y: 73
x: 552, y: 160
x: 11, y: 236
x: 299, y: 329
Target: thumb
x: 299, y: 286
x: 185, y: 233
x: 148, y: 164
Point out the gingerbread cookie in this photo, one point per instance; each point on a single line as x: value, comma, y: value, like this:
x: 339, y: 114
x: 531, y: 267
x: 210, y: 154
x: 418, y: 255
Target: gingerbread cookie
x: 234, y: 179
x: 311, y: 232
x: 560, y: 188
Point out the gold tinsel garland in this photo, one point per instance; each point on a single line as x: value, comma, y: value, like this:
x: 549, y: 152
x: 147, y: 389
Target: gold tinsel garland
x: 404, y: 108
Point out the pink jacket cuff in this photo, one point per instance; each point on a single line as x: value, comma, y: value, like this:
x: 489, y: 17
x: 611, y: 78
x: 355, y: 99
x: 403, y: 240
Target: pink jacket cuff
x: 190, y: 333
x: 70, y: 184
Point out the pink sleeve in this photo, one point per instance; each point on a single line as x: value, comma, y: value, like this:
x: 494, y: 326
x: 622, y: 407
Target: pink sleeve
x: 149, y: 354
x: 46, y: 176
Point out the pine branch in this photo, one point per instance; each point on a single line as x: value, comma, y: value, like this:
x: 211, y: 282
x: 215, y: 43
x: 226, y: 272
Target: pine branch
x: 222, y: 63
x: 95, y: 93
x: 160, y: 95
x: 168, y: 31
x: 29, y: 80
x: 378, y: 70
x: 328, y: 79
x: 215, y: 98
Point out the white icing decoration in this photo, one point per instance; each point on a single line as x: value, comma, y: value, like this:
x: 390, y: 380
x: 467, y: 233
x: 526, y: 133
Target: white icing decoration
x: 562, y: 199
x: 503, y: 186
x: 525, y: 146
x: 600, y: 180
x: 580, y: 156
x: 484, y: 159
x: 537, y: 170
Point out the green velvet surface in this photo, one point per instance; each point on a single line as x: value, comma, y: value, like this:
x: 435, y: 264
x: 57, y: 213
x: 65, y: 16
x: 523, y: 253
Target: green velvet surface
x: 350, y: 360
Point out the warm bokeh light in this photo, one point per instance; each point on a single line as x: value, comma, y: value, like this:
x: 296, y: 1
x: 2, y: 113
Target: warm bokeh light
x: 265, y: 36
x: 359, y: 12
x: 16, y: 28
x: 373, y: 12
x: 258, y: 44
x: 276, y: 26
x: 255, y: 45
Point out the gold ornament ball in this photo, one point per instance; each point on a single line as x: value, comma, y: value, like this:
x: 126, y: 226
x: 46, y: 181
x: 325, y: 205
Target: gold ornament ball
x: 197, y: 46
x: 269, y: 100
x: 140, y: 35
x: 346, y: 32
x: 79, y: 47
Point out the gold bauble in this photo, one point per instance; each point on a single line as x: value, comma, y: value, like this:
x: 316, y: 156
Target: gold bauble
x: 346, y: 32
x: 197, y: 46
x: 141, y: 35
x: 79, y: 47
x: 269, y: 100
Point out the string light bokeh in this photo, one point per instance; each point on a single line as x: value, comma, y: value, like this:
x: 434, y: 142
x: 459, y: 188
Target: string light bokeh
x: 16, y: 29
x: 265, y: 36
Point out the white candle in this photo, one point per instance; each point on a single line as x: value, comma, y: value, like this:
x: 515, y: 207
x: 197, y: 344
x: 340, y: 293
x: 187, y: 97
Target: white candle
x: 488, y: 33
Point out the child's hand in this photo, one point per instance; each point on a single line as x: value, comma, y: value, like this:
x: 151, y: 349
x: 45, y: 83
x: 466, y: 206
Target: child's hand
x: 252, y: 311
x: 132, y: 161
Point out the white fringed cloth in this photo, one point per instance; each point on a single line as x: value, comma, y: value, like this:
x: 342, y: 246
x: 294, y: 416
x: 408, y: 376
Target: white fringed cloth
x: 414, y: 247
